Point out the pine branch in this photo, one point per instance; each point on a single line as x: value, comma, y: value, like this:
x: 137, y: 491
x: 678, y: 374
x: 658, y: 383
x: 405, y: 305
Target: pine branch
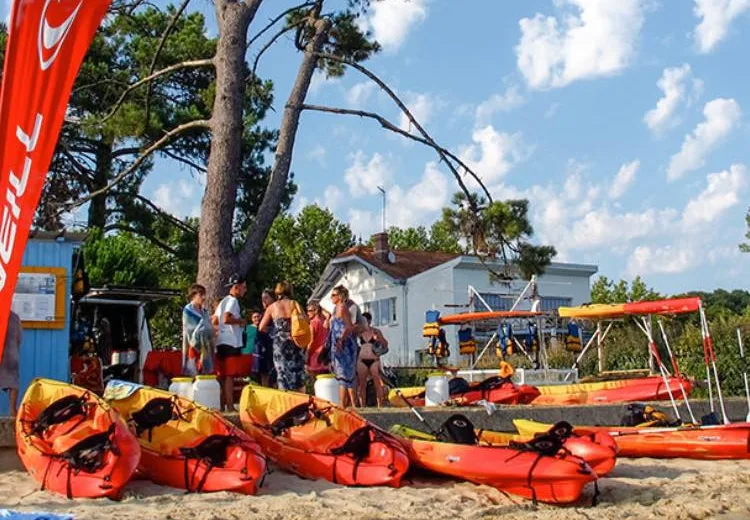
x: 270, y: 43
x: 412, y: 120
x: 274, y: 21
x: 200, y: 123
x: 141, y: 233
x: 190, y: 64
x: 170, y: 27
x: 187, y: 228
x: 183, y: 160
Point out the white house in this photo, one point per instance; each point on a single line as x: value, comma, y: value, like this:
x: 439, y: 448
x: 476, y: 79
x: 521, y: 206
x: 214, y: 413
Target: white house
x: 397, y: 287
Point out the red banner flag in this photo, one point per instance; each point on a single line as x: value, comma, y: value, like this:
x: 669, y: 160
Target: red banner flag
x: 47, y: 42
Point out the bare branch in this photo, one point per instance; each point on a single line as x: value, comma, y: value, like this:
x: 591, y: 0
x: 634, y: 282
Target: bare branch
x: 269, y: 44
x: 184, y: 161
x: 107, y: 81
x: 401, y: 105
x: 191, y: 64
x: 187, y: 228
x: 274, y: 21
x: 200, y: 123
x: 162, y: 42
x: 148, y: 236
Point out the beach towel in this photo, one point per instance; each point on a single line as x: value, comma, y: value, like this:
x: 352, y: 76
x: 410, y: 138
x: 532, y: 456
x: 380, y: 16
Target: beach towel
x: 17, y: 515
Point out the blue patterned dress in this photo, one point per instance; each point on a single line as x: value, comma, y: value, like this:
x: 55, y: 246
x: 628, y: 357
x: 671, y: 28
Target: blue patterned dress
x: 345, y: 358
x: 288, y: 358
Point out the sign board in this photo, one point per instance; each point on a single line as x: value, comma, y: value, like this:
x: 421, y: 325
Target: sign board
x: 39, y: 298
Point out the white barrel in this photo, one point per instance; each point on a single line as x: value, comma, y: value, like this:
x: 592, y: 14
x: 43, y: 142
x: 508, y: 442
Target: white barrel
x: 182, y: 386
x: 206, y: 391
x: 436, y: 389
x: 326, y: 387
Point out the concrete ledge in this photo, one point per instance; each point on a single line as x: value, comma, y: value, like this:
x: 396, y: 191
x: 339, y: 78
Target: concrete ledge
x: 501, y: 420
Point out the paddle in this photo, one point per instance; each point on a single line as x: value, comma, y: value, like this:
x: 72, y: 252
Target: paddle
x: 744, y: 373
x: 390, y: 384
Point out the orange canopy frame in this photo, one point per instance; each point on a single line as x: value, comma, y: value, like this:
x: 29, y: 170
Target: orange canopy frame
x: 466, y: 317
x: 620, y: 310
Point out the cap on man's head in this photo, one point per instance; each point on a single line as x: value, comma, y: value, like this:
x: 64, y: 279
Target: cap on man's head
x: 234, y: 279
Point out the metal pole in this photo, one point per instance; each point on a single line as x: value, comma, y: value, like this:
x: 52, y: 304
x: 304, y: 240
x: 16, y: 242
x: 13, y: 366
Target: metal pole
x: 382, y: 191
x: 677, y: 374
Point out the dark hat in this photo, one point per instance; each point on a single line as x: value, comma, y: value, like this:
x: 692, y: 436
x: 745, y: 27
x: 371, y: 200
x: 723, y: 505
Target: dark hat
x: 234, y: 279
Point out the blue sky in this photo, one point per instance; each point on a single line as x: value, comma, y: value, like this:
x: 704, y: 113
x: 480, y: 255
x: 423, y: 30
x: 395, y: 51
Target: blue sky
x: 624, y: 122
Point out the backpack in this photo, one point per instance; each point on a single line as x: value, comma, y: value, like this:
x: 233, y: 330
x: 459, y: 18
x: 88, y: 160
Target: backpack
x: 301, y: 330
x: 457, y: 429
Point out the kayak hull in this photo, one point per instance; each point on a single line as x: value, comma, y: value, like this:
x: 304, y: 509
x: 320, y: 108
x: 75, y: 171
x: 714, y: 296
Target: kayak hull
x: 620, y: 391
x: 40, y: 453
x: 554, y: 480
x: 313, y: 450
x: 164, y: 459
x: 704, y: 443
x: 507, y: 393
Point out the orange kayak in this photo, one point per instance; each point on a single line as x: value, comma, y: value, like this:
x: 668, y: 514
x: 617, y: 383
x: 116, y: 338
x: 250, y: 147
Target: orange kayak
x: 598, y: 449
x: 185, y: 445
x: 73, y: 443
x: 730, y: 441
x: 621, y: 391
x: 559, y: 478
x: 317, y: 440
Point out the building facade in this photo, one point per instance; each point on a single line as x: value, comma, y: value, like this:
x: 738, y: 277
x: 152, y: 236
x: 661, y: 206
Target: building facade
x: 397, y: 287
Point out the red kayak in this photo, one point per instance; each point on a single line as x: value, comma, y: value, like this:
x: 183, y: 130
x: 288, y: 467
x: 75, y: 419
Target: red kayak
x: 496, y: 389
x: 731, y: 441
x: 73, y: 443
x: 621, y: 391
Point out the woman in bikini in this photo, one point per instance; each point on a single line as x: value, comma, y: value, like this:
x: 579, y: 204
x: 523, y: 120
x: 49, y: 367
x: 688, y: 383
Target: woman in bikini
x: 368, y: 363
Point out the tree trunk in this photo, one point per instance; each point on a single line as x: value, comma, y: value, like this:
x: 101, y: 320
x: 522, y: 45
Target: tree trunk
x: 269, y: 208
x: 216, y: 258
x: 98, y: 205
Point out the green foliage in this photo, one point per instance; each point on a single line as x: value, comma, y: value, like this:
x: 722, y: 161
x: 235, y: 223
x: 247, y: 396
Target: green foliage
x: 605, y: 290
x: 299, y: 248
x: 745, y: 248
x: 723, y: 304
x: 437, y: 238
x: 122, y: 259
x: 500, y: 229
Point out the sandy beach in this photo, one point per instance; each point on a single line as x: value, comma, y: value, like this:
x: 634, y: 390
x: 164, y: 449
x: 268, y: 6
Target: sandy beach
x: 639, y: 488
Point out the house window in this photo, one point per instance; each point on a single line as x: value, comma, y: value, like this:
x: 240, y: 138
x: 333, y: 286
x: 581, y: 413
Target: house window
x: 383, y: 311
x: 504, y: 303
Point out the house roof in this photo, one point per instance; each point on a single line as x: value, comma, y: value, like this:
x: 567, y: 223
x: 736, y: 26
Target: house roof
x: 407, y: 264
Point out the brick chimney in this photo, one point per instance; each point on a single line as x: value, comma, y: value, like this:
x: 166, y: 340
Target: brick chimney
x: 380, y: 246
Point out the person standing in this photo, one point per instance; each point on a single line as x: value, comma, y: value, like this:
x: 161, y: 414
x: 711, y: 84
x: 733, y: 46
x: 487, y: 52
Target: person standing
x: 9, y: 364
x: 346, y: 325
x: 288, y: 358
x: 229, y: 339
x: 319, y: 326
x: 368, y: 365
x: 264, y: 343
x: 197, y: 334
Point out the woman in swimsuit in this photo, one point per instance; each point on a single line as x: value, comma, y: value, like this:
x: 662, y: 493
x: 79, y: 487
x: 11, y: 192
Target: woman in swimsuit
x: 368, y: 364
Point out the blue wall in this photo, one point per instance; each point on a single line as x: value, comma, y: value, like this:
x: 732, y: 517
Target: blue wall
x: 44, y: 352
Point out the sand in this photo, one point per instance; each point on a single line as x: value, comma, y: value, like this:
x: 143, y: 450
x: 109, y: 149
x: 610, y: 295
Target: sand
x: 638, y: 489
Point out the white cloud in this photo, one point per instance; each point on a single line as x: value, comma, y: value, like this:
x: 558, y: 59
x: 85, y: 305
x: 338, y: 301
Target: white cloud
x: 601, y: 228
x: 181, y: 199
x: 722, y: 116
x: 716, y: 16
x: 674, y: 83
x: 420, y: 203
x: 667, y: 260
x: 299, y: 204
x: 624, y: 178
x: 593, y: 38
x: 551, y: 111
x: 333, y: 197
x: 504, y: 102
x: 358, y: 95
x: 493, y: 154
x: 721, y: 193
x: 318, y: 154
x: 363, y: 223
x: 421, y: 107
x: 391, y: 20
x: 319, y: 80
x: 363, y: 177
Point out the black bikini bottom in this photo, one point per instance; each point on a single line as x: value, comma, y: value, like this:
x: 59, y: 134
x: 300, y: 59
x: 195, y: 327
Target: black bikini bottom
x: 368, y: 362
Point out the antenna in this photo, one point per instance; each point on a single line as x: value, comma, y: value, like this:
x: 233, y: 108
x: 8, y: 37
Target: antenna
x: 382, y: 191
